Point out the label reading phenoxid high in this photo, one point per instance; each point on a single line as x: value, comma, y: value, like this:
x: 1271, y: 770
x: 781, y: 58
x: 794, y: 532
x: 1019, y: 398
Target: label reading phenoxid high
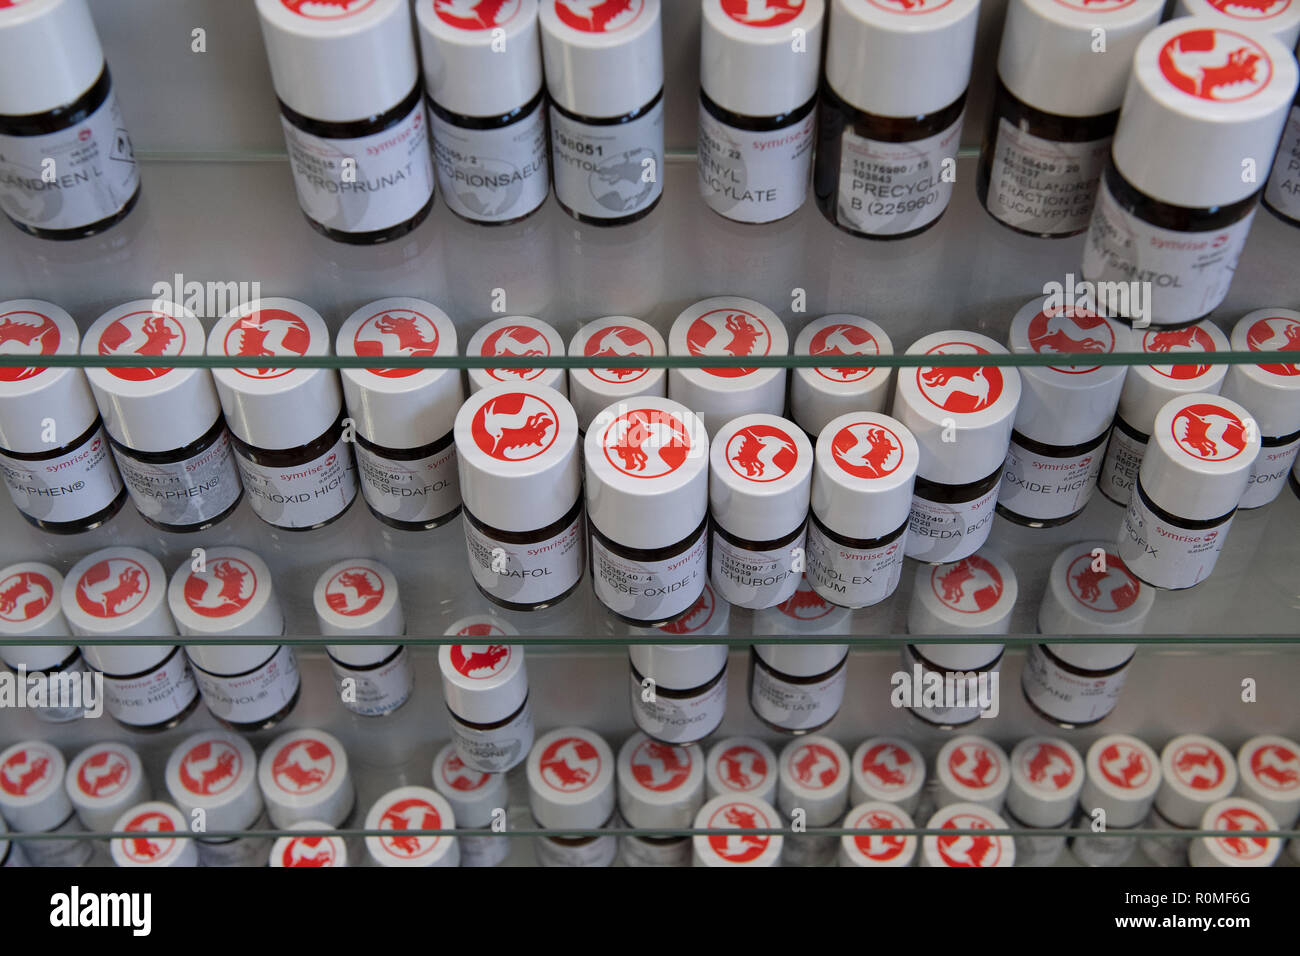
x: 754, y: 579
x: 796, y: 706
x: 1165, y: 555
x: 1065, y: 696
x: 608, y: 171
x: 303, y: 495
x: 378, y: 690
x: 890, y: 188
x: 1283, y: 189
x: 1044, y: 487
x: 650, y: 590
x: 1269, y: 475
x: 754, y: 177
x: 93, y: 168
x: 67, y: 488
x: 939, y: 531
x: 415, y: 491
x: 367, y: 183
x: 183, y: 492
x: 492, y: 175
x: 853, y: 577
x: 1189, y: 272
x: 498, y: 749
x: 256, y: 695
x: 526, y: 573
x: 678, y: 720
x: 1042, y: 185
x: 154, y: 697
x: 1119, y: 469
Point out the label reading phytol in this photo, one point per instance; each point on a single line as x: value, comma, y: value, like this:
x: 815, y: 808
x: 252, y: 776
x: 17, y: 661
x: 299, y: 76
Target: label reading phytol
x: 608, y: 171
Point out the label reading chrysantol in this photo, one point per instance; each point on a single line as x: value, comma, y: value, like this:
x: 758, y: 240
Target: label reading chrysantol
x: 940, y: 531
x: 1283, y: 189
x: 415, y: 491
x: 1044, y: 487
x: 1165, y: 555
x: 650, y: 590
x: 1269, y: 474
x: 526, y: 573
x: 754, y: 579
x: 891, y: 188
x: 853, y: 577
x: 754, y: 177
x: 608, y: 171
x: 1041, y: 185
x: 364, y: 184
x: 796, y: 706
x: 153, y: 697
x: 303, y: 495
x: 183, y: 492
x: 1189, y: 272
x: 67, y: 488
x: 375, y: 691
x: 495, y: 750
x: 492, y: 175
x: 254, y: 696
x: 1065, y: 696
x: 1119, y: 469
x: 73, y: 178
x: 677, y: 720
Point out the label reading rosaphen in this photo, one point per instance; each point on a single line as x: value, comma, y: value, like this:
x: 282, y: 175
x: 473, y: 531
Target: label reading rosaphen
x: 305, y: 495
x: 67, y: 488
x: 649, y: 590
x: 415, y: 491
x: 1044, y: 487
x: 526, y: 573
x: 750, y: 176
x: 608, y: 171
x: 1041, y: 185
x: 492, y: 175
x: 183, y: 492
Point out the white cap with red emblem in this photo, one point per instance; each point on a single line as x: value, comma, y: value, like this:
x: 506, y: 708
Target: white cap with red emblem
x: 30, y: 607
x: 621, y: 336
x: 866, y: 469
x: 1269, y: 769
x: 480, y: 59
x: 752, y: 64
x: 571, y: 779
x: 103, y: 781
x: 820, y: 394
x: 1239, y: 849
x: 516, y: 336
x: 1278, y: 18
x: 1270, y: 390
x: 877, y: 849
x: 972, y: 769
x: 1196, y: 772
x: 116, y: 592
x: 216, y: 771
x: 304, y: 775
x: 967, y: 849
x: 1091, y: 591
x: 1046, y: 776
x: 155, y: 821
x: 29, y: 396
x: 33, y: 798
x: 741, y: 766
x: 483, y: 683
x: 660, y: 786
x: 1199, y: 461
x: 760, y: 476
x: 412, y: 808
x: 1123, y: 775
x: 737, y: 812
x: 49, y: 55
x: 888, y: 769
x: 602, y: 59
x: 975, y: 595
x: 231, y: 596
x: 814, y: 776
x: 358, y: 598
x: 316, y: 847
x: 473, y: 794
x: 1148, y: 387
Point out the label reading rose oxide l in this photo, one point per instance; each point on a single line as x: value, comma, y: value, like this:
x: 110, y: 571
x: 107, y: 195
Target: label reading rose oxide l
x: 184, y: 492
x: 526, y: 573
x: 754, y: 177
x: 492, y: 175
x: 608, y: 171
x: 154, y: 697
x: 1044, y: 487
x: 939, y: 531
x: 678, y: 719
x: 1068, y: 697
x: 1165, y: 555
x: 754, y: 578
x: 1119, y: 470
x: 68, y: 488
x: 256, y: 695
x: 853, y: 577
x: 1041, y: 185
x: 303, y: 495
x: 649, y: 590
x: 415, y: 491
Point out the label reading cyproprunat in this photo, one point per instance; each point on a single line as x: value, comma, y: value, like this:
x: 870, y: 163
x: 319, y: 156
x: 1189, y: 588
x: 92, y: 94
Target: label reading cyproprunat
x: 415, y: 491
x: 526, y: 573
x: 754, y: 579
x: 183, y: 492
x: 375, y: 690
x: 853, y: 577
x: 304, y: 495
x: 678, y: 719
x: 1283, y: 189
x: 154, y: 697
x: 67, y: 488
x: 650, y: 590
x: 608, y: 171
x: 1044, y: 487
x: 1067, y: 697
x: 1041, y: 185
x: 751, y: 176
x: 254, y: 696
x: 941, y: 531
x: 492, y: 175
x: 1165, y: 555
x: 495, y: 750
x: 796, y: 706
x: 1269, y: 474
x: 1119, y: 469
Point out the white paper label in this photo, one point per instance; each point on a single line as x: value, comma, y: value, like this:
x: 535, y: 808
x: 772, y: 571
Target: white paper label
x: 599, y: 852
x: 417, y: 491
x: 255, y: 696
x: 1165, y: 555
x: 367, y: 183
x: 1041, y: 185
x: 754, y: 579
x: 1044, y: 487
x: 1283, y: 189
x: 244, y: 851
x: 1189, y: 272
x: 67, y: 488
x: 853, y: 577
x: 948, y: 716
x: 650, y: 590
x: 678, y: 720
x: 498, y: 749
x: 1066, y: 697
x: 891, y: 188
x: 1119, y: 469
x: 754, y: 177
x: 375, y: 690
x: 1038, y: 850
x: 608, y: 171
x: 492, y: 175
x: 638, y: 852
x: 792, y: 706
x: 1103, y: 851
x: 938, y: 531
x: 1269, y: 474
x: 526, y: 573
x: 73, y: 178
x: 483, y: 850
x: 60, y: 852
x: 183, y: 492
x: 152, y: 698
x: 304, y: 495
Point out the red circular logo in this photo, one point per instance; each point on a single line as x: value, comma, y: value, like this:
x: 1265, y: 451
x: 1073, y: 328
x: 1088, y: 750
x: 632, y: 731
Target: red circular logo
x: 971, y: 585
x: 741, y: 847
x: 1217, y: 65
x: 619, y: 341
x: 104, y: 774
x: 1209, y: 432
x: 515, y: 341
x: 843, y: 338
x: 515, y: 427
x: 975, y: 765
x: 961, y: 390
x: 1198, y: 766
x: 268, y: 332
x: 1125, y: 766
x: 805, y: 604
x: 1251, y: 9
x: 354, y: 591
x: 729, y: 332
x: 480, y: 630
x: 867, y: 450
x: 142, y: 333
x: 402, y: 332
x: 598, y: 16
x: 660, y: 767
x: 1049, y: 766
x: 570, y: 764
x: 1112, y: 589
x: 326, y: 9
x: 210, y: 768
x: 225, y: 588
x: 1244, y: 819
x: 25, y: 771
x: 646, y: 443
x: 303, y: 765
x: 696, y: 618
x: 112, y: 587
x: 742, y: 768
x: 479, y: 661
x: 889, y: 766
x: 461, y: 778
x: 969, y: 850
x: 24, y: 595
x: 881, y: 847
x: 762, y: 13
x: 1276, y: 768
x: 762, y: 453
x: 142, y: 849
x: 410, y: 814
x: 1097, y: 6
x: 1071, y: 331
x: 309, y: 851
x: 476, y: 14
x: 814, y: 765
x: 1275, y: 334
x: 26, y: 333
x: 910, y: 7
x: 1189, y: 339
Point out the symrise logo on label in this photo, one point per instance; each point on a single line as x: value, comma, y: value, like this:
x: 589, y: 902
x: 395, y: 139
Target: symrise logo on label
x: 728, y: 332
x: 660, y: 767
x: 699, y: 615
x: 326, y: 9
x: 515, y: 427
x: 970, y: 586
x: 480, y: 661
x: 1071, y: 330
x: 974, y: 765
x: 142, y: 333
x: 211, y: 767
x: 26, y: 333
x: 867, y: 450
x: 762, y: 13
x: 1217, y: 65
x: 1209, y: 432
x: 309, y: 851
x: 476, y: 14
x: 1198, y: 766
x: 620, y: 341
x: 1251, y: 9
x: 1048, y: 766
x: 143, y: 849
x: 1276, y: 768
x: 646, y: 443
x: 515, y: 341
x: 1189, y: 339
x: 910, y: 7
x: 105, y: 774
x: 570, y: 764
x: 225, y: 588
x: 762, y: 453
x: 805, y: 604
x: 742, y: 768
x: 303, y: 766
x: 890, y: 766
x: 24, y: 595
x: 739, y: 847
x: 814, y: 765
x: 961, y: 390
x: 880, y: 847
x: 461, y: 778
x: 26, y: 772
x: 410, y: 814
x: 598, y: 16
x: 1241, y: 818
x: 1113, y: 589
x: 843, y: 338
x: 1124, y: 766
x: 267, y: 332
x: 354, y: 591
x: 112, y: 587
x: 402, y: 332
x: 969, y: 850
x: 1275, y: 334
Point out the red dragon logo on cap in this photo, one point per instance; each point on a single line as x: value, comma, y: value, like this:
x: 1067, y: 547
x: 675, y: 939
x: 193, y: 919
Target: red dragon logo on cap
x: 326, y: 9
x: 729, y: 332
x: 740, y: 847
x: 24, y: 595
x: 970, y: 585
x: 762, y: 453
x: 515, y: 427
x: 867, y: 450
x: 354, y: 591
x: 225, y: 588
x: 396, y: 332
x: 1112, y: 589
x: 762, y: 13
x: 1275, y: 334
x: 1210, y: 432
x: 25, y: 771
x: 476, y: 14
x: 843, y: 338
x: 1217, y: 65
x: 26, y: 333
x: 619, y: 341
x: 961, y: 390
x: 646, y: 443
x: 598, y: 16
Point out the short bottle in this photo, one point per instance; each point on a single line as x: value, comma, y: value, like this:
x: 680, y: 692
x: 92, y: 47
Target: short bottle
x: 317, y: 847
x: 359, y: 598
x: 478, y: 800
x: 54, y: 452
x: 1122, y: 775
x: 103, y: 782
x: 405, y: 444
x: 485, y: 687
x: 1089, y: 591
x: 647, y: 475
x: 521, y: 483
x: 516, y: 336
x: 820, y: 394
x: 741, y: 766
x: 1196, y: 772
x: 347, y: 79
x: 1192, y: 478
x: 1236, y: 814
x: 571, y: 775
x: 593, y: 389
x: 888, y: 770
x: 736, y: 327
x: 412, y: 808
x: 214, y: 773
x: 962, y: 420
x: 164, y: 424
x: 153, y: 820
x: 1266, y: 767
x: 963, y: 851
x: 1272, y: 394
x: 247, y: 687
x: 862, y: 487
x: 1064, y: 416
x: 877, y: 849
x: 814, y: 778
x: 30, y: 607
x: 758, y: 99
x: 760, y: 477
x: 286, y: 423
x: 34, y: 800
x: 797, y: 688
x: 660, y: 787
x: 605, y: 75
x: 303, y: 775
x: 122, y: 592
x: 57, y: 100
x: 1046, y: 776
x: 1146, y: 389
x: 741, y: 812
x: 971, y: 769
x: 1055, y: 109
x: 678, y: 691
x: 893, y: 99
x: 1176, y: 207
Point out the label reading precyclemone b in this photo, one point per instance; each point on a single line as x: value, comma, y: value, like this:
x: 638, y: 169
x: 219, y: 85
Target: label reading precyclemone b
x: 1044, y: 487
x: 254, y: 696
x: 526, y: 573
x: 1283, y: 189
x: 939, y: 531
x: 416, y: 491
x: 304, y: 495
x: 68, y: 488
x: 853, y: 577
x: 650, y: 590
x: 794, y: 706
x: 608, y: 171
x: 154, y: 697
x: 492, y: 175
x: 375, y: 690
x: 1119, y: 470
x: 754, y: 177
x: 754, y: 579
x: 495, y: 750
x: 1065, y: 696
x: 677, y: 720
x: 183, y: 492
x: 1041, y: 185
x: 1165, y: 555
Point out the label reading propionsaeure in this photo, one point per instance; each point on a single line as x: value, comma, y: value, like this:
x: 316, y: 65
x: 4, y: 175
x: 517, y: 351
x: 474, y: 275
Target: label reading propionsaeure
x: 1043, y: 487
x: 1269, y: 474
x: 526, y: 573
x: 1066, y: 696
x: 754, y: 579
x: 939, y: 531
x: 183, y: 492
x: 154, y: 697
x: 1165, y: 555
x: 754, y: 177
x: 67, y: 488
x: 1041, y: 185
x: 492, y: 175
x: 303, y: 495
x: 853, y: 577
x: 608, y: 171
x: 1119, y: 469
x: 416, y: 491
x: 650, y: 590
x: 1283, y: 189
x: 256, y: 695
